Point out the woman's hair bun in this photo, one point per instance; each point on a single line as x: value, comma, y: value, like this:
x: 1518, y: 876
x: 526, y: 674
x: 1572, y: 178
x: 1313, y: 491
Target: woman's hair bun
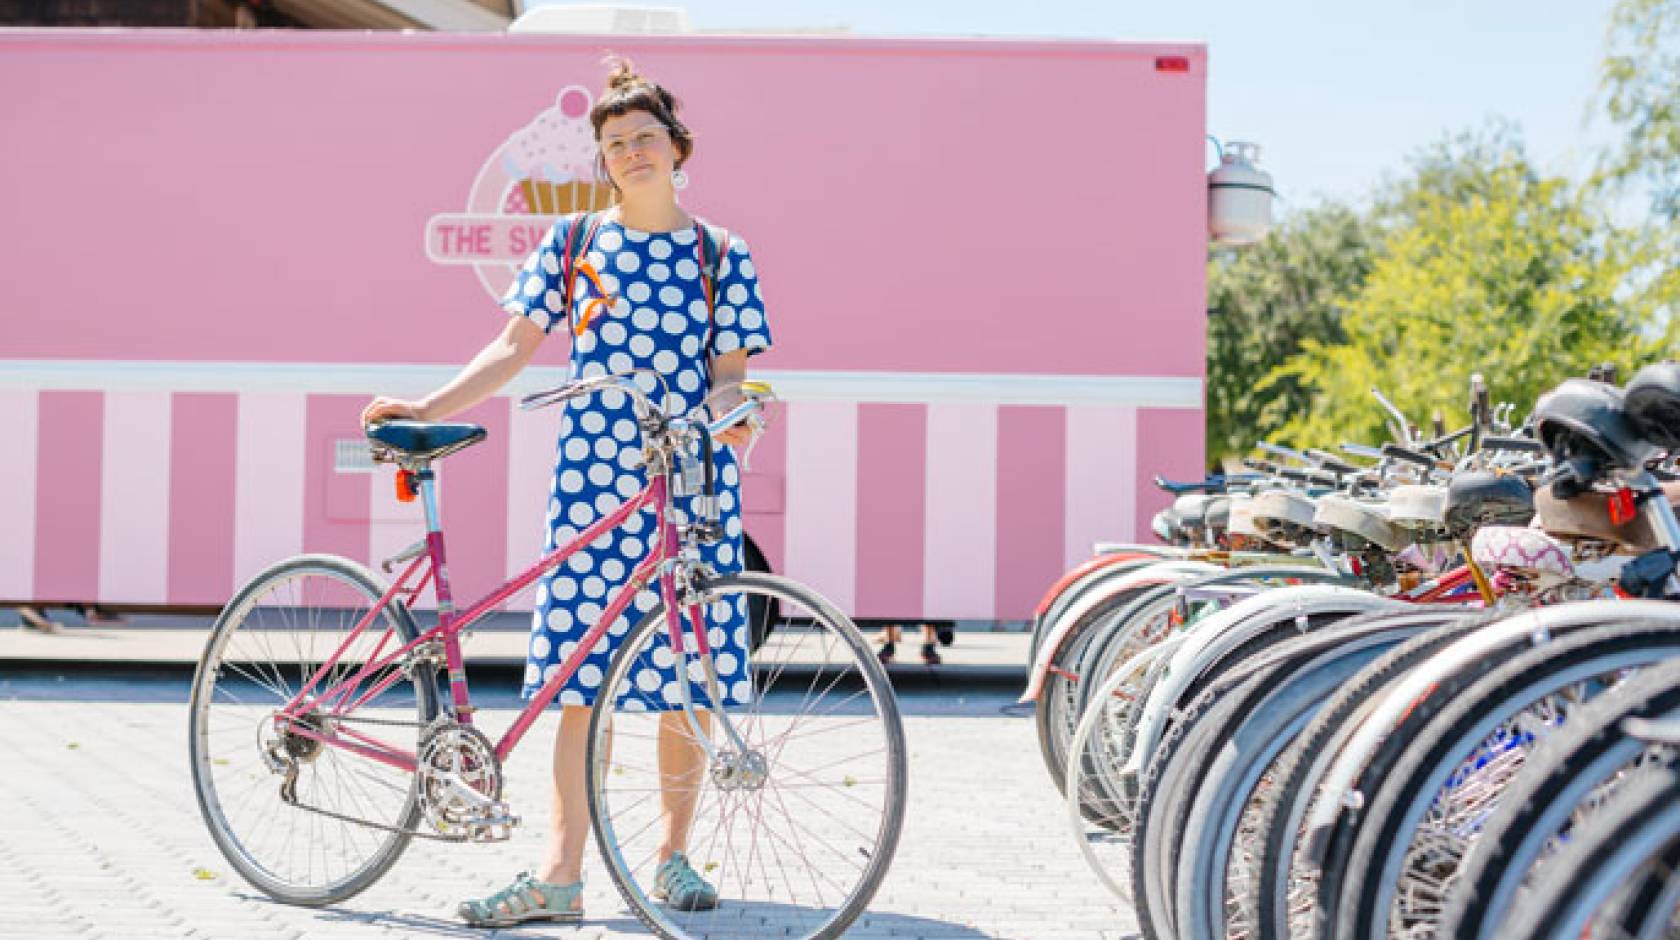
x: 623, y: 76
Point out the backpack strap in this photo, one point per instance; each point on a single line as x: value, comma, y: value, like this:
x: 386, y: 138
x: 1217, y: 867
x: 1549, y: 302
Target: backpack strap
x: 711, y: 242
x: 586, y: 224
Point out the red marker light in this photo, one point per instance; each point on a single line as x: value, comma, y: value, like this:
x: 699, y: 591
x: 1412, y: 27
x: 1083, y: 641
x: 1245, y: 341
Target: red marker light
x: 1622, y: 506
x: 406, y: 489
x: 1172, y: 63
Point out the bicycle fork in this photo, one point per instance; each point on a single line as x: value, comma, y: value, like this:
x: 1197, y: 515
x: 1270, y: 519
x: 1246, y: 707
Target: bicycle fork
x: 740, y: 765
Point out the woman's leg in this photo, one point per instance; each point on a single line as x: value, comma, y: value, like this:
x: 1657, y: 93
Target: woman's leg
x: 930, y: 649
x: 569, y: 831
x: 682, y: 770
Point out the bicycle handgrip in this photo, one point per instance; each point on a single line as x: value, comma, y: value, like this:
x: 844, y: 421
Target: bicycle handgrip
x: 1407, y: 454
x: 1330, y: 462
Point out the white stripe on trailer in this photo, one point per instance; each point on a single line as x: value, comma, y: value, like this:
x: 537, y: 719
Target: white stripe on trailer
x: 20, y: 414
x: 821, y: 546
x: 268, y: 493
x: 797, y: 385
x: 1101, y: 478
x: 134, y: 497
x: 960, y: 542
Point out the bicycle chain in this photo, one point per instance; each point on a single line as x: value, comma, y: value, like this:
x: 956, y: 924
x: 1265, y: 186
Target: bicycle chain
x: 341, y: 817
x: 393, y: 722
x: 368, y: 823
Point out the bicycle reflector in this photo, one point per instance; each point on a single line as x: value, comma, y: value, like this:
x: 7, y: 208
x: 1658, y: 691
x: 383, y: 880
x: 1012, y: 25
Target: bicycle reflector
x: 406, y: 490
x: 1622, y: 506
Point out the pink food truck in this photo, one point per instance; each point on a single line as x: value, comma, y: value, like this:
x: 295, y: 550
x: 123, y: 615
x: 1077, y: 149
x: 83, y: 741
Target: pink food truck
x: 983, y: 263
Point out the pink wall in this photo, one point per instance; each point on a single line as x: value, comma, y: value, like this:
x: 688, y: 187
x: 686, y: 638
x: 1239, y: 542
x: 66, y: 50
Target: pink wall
x: 963, y: 206
x: 914, y: 208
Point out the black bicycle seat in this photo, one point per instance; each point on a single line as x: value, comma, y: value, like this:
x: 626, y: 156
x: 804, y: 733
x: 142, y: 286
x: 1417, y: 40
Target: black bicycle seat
x: 424, y: 440
x: 1478, y: 498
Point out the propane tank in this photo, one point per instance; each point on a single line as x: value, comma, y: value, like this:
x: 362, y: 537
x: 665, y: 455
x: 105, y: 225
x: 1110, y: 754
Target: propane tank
x: 1239, y: 196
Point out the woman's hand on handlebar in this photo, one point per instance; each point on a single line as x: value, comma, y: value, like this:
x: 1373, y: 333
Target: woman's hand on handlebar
x: 736, y: 436
x: 389, y: 409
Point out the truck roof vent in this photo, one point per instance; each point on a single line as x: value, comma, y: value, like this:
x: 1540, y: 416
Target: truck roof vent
x: 601, y: 18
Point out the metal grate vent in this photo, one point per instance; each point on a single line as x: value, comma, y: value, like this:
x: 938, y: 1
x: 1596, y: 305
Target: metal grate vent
x: 352, y: 456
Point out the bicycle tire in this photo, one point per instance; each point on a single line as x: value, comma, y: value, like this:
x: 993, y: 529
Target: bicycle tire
x: 1103, y: 753
x: 1309, y: 755
x: 248, y: 612
x: 747, y: 906
x: 1071, y: 594
x: 1175, y: 768
x: 1291, y: 695
x: 1053, y: 711
x: 1123, y: 636
x: 1440, y: 734
x: 1639, y: 824
x: 1561, y: 775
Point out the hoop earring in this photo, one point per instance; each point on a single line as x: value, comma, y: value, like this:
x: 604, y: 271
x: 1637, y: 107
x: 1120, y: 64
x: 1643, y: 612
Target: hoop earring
x: 679, y: 179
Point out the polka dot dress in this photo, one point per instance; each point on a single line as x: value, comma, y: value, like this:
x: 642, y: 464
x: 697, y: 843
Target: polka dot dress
x: 655, y: 316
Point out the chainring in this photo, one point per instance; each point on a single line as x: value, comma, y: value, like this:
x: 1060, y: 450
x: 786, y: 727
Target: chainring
x: 452, y: 751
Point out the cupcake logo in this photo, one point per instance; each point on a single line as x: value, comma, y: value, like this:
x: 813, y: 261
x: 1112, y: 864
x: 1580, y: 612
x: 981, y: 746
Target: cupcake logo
x: 541, y: 172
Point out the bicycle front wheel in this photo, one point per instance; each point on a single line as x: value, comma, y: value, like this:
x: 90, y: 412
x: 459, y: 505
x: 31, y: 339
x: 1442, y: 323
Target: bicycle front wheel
x: 787, y: 796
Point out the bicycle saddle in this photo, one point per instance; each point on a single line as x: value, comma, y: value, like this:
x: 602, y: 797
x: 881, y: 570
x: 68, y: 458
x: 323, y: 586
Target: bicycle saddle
x: 1524, y: 551
x: 1165, y: 526
x: 1652, y: 401
x: 1340, y: 516
x: 1241, y: 518
x: 1479, y: 498
x: 1192, y: 512
x: 1418, y: 507
x: 1218, y: 515
x: 424, y: 440
x: 1284, y: 517
x: 1587, y: 516
x: 1583, y: 413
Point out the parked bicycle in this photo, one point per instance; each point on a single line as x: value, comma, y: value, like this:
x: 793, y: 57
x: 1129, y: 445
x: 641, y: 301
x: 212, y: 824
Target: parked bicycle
x: 1452, y: 670
x: 321, y: 744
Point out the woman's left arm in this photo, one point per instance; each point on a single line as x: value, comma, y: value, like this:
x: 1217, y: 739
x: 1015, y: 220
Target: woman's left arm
x: 728, y: 371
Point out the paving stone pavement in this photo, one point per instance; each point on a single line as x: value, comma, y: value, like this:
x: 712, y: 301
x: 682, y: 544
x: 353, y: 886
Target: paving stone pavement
x: 100, y: 836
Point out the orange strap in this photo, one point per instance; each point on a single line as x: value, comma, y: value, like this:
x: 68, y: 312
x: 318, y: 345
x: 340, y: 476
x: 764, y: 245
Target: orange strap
x: 603, y: 299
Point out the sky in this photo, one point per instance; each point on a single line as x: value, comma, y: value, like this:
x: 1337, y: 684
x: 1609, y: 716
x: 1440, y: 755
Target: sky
x: 1337, y: 94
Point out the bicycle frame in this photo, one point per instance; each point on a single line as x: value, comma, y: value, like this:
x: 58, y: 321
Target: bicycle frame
x: 346, y: 695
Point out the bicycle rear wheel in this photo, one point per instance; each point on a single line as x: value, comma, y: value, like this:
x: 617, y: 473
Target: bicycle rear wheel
x: 796, y: 823
x: 277, y: 801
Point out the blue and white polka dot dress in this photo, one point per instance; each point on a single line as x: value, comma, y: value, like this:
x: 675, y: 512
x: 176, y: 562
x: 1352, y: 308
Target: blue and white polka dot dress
x: 657, y: 319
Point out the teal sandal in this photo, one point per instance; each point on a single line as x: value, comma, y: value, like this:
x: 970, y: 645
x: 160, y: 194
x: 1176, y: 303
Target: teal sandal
x: 679, y: 885
x: 526, y: 899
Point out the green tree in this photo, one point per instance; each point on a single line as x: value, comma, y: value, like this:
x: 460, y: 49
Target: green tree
x: 1640, y: 86
x: 1264, y: 300
x: 1503, y: 272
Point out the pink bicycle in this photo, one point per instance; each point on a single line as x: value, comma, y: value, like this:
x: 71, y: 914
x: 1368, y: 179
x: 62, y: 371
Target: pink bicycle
x: 321, y: 746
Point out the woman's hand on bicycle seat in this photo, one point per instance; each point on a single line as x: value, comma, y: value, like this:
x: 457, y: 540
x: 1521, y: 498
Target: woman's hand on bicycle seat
x: 388, y: 409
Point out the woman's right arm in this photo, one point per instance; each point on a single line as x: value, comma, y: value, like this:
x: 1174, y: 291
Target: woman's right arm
x: 494, y: 366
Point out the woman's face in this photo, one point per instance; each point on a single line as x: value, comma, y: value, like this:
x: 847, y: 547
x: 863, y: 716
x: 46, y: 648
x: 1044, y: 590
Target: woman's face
x: 639, y: 151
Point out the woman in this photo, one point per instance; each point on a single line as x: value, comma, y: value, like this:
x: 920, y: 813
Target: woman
x: 645, y: 258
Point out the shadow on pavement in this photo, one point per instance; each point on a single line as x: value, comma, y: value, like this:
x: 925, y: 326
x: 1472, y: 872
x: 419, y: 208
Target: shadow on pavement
x: 623, y: 923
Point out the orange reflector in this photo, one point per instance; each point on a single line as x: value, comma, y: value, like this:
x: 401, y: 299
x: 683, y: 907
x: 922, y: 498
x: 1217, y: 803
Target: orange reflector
x: 405, y: 487
x: 1622, y: 506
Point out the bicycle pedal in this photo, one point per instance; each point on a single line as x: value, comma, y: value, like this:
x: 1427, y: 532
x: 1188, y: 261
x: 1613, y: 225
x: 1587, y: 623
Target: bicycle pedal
x: 496, y: 825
